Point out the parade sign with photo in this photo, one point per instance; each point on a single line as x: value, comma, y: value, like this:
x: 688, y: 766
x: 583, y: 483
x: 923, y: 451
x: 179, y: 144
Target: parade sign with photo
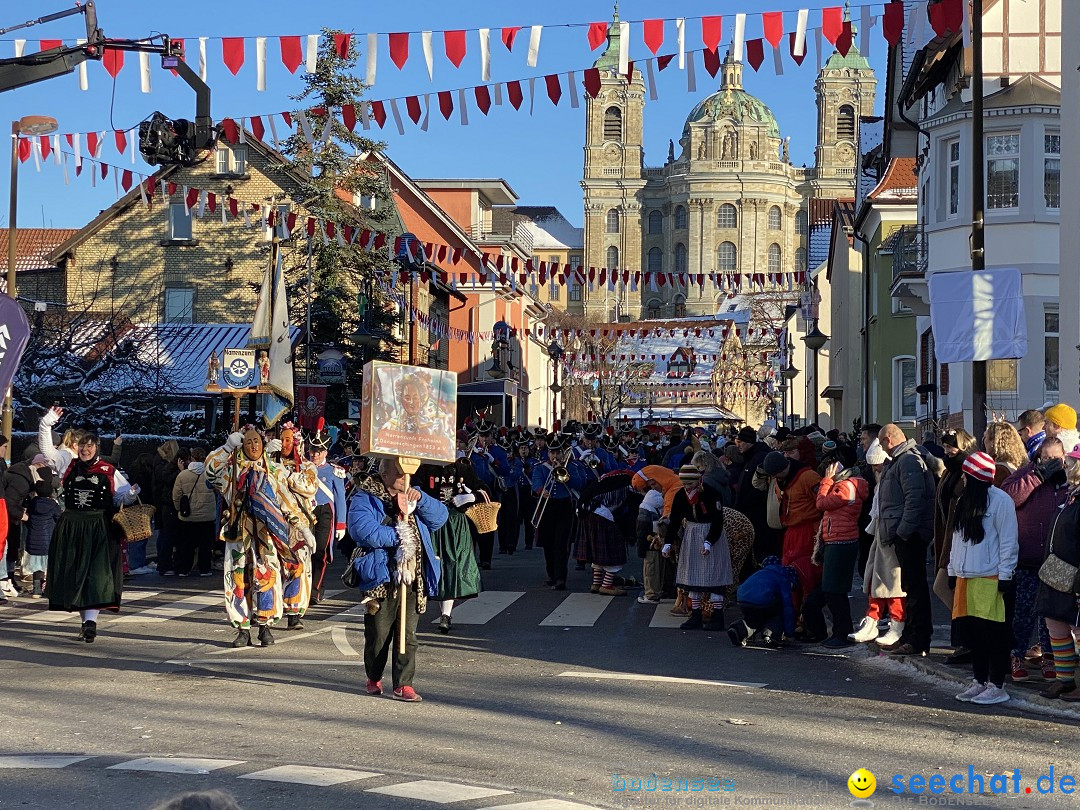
x: 239, y: 368
x: 408, y: 411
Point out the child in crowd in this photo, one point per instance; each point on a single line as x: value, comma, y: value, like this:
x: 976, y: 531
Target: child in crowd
x: 767, y: 599
x: 41, y: 516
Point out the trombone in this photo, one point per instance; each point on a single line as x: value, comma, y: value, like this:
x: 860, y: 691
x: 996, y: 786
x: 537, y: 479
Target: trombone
x: 558, y: 475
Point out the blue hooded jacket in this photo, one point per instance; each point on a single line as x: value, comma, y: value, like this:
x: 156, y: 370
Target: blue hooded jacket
x: 765, y: 587
x: 370, y: 527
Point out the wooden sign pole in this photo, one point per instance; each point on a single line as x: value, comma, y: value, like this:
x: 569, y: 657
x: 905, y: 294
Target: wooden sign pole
x: 409, y: 466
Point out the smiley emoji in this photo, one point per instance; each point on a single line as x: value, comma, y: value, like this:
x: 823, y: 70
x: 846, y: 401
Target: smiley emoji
x: 862, y: 784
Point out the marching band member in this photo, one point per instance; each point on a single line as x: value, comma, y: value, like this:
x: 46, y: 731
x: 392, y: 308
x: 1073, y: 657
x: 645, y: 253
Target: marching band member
x: 556, y: 522
x: 519, y: 498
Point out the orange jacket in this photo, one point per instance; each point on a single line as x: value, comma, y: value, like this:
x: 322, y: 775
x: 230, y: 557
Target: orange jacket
x: 669, y: 483
x: 798, y: 500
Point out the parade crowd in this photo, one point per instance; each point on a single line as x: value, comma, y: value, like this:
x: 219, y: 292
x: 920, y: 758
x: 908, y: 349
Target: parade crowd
x: 779, y: 523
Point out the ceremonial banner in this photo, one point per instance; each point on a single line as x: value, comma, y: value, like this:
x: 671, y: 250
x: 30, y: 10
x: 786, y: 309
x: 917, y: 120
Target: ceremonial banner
x: 239, y: 370
x: 14, y: 335
x: 311, y: 400
x: 408, y: 411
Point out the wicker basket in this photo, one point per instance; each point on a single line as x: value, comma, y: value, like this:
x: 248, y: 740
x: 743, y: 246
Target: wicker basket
x: 485, y: 516
x: 134, y: 521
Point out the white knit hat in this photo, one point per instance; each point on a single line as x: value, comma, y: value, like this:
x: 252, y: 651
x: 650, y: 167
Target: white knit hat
x: 875, y: 453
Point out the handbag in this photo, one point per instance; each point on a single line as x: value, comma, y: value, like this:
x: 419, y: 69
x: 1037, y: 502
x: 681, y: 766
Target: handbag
x: 134, y: 521
x: 350, y: 577
x: 1057, y: 574
x: 484, y: 516
x: 185, y: 500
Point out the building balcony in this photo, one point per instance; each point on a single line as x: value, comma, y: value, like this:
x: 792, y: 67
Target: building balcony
x: 514, y: 235
x: 910, y: 259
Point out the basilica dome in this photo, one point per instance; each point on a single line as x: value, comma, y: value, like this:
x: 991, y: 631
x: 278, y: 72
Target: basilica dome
x: 732, y: 102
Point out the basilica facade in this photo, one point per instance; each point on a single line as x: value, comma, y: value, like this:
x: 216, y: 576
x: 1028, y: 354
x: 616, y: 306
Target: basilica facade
x: 727, y: 199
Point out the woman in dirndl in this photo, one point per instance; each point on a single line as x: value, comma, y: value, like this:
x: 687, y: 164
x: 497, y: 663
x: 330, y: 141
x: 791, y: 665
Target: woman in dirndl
x: 85, y: 570
x: 697, y: 516
x: 600, y: 541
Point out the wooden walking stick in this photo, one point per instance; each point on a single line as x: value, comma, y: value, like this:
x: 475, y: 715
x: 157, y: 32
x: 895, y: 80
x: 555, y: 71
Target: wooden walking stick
x: 408, y: 466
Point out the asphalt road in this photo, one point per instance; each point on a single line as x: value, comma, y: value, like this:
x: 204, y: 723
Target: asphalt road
x: 554, y: 700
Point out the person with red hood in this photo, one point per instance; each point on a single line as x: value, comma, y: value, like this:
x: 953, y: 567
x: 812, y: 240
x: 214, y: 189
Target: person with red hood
x: 840, y: 497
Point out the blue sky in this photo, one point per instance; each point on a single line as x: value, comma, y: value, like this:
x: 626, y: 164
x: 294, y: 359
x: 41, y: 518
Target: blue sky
x: 539, y: 155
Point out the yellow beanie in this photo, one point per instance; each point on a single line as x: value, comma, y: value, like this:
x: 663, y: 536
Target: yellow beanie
x: 1061, y: 415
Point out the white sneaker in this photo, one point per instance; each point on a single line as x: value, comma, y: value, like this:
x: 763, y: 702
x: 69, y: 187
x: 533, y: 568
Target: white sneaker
x: 7, y: 589
x: 867, y: 631
x: 644, y: 600
x: 991, y: 695
x: 146, y: 569
x: 896, y: 629
x: 972, y: 691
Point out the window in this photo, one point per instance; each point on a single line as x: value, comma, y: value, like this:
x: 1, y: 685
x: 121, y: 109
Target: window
x: 801, y: 227
x: 1001, y: 375
x: 612, y: 221
x: 612, y: 257
x: 680, y: 307
x: 653, y: 310
x: 656, y: 222
x: 1003, y: 171
x: 1050, y: 348
x: 575, y: 291
x: 612, y: 124
x: 776, y: 259
x: 800, y: 260
x: 904, y: 396
x: 553, y: 291
x: 553, y: 263
x: 727, y: 256
x: 232, y: 159
x: 179, y: 221
x: 775, y: 221
x: 952, y: 178
x: 179, y: 305
x: 656, y: 260
x: 727, y: 217
x: 845, y: 124
x: 1052, y: 171
x: 680, y: 258
x: 681, y: 220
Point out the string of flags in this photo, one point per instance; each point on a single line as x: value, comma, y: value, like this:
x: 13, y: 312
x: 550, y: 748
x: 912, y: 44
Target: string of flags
x: 294, y: 51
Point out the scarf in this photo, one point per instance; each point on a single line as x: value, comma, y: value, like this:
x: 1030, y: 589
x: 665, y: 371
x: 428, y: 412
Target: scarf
x: 407, y: 557
x: 253, y: 485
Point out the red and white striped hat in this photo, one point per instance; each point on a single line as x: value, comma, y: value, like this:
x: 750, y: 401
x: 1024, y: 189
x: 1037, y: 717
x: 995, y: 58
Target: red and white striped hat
x: 980, y: 466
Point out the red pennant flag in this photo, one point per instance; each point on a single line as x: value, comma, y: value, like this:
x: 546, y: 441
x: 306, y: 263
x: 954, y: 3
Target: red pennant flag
x: 508, y: 35
x: 234, y: 207
x: 121, y: 141
x: 773, y: 24
x: 412, y: 104
x: 755, y: 53
x: 597, y: 34
x: 483, y: 98
x: 125, y: 180
x: 232, y: 51
x: 711, y: 31
x: 592, y: 82
x: 290, y: 221
x: 832, y: 23
x: 92, y: 143
x: 347, y: 232
x: 893, y: 24
x: 46, y: 146
x: 291, y: 55
x: 211, y: 201
x: 946, y: 17
x: 287, y: 118
x: 446, y: 104
x: 230, y: 130
x: 348, y: 116
x: 170, y: 188
x: 663, y: 61
x: 341, y: 45
x: 712, y: 61
x: 329, y: 230
x: 257, y: 127
x: 791, y: 46
x: 843, y: 42
x: 654, y: 35
x: 513, y: 92
x: 629, y: 72
x: 104, y: 170
x: 378, y: 112
x: 455, y: 46
x: 49, y: 44
x: 554, y: 89
x: 192, y: 197
x: 113, y: 60
x: 399, y: 49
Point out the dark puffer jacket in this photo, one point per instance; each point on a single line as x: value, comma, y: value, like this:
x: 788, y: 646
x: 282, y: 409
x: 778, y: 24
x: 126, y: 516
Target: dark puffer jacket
x: 906, y: 496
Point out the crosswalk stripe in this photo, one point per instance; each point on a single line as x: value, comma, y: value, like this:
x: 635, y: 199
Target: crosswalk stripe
x: 430, y: 790
x: 174, y: 610
x: 578, y: 610
x: 662, y: 617
x: 191, y: 765
x: 634, y: 676
x: 353, y: 614
x: 58, y: 616
x: 483, y: 608
x: 309, y: 775
x: 39, y: 761
x: 342, y: 642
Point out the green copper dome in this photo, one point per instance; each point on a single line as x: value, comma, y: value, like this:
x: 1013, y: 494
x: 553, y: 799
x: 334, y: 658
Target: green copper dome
x: 733, y: 102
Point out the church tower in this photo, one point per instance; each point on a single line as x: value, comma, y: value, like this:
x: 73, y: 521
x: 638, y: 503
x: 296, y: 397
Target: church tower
x: 612, y: 184
x: 845, y: 89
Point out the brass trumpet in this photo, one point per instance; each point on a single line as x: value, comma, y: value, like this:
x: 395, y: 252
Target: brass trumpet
x: 558, y: 475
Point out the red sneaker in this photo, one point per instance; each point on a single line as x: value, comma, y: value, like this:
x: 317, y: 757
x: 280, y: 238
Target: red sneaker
x: 1048, y: 671
x: 407, y: 693
x: 1019, y: 671
x: 374, y: 687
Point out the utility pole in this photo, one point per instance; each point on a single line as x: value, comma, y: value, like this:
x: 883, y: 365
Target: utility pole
x: 978, y: 203
x: 307, y: 334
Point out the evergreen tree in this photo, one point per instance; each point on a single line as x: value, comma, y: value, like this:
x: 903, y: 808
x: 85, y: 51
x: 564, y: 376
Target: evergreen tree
x: 338, y: 173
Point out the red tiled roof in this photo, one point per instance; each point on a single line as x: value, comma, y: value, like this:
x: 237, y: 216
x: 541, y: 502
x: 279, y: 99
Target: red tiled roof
x: 33, y: 245
x: 900, y: 180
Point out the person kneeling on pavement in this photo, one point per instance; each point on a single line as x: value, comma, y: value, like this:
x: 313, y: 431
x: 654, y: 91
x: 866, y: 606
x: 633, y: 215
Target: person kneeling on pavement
x: 767, y: 601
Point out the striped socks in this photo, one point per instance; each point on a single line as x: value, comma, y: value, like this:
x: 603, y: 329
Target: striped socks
x: 1065, y: 658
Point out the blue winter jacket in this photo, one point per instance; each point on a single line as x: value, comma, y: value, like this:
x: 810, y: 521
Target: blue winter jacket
x: 370, y: 527
x: 764, y: 587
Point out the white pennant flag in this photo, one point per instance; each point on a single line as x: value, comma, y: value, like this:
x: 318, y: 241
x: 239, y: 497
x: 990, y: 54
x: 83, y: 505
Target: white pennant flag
x: 202, y: 205
x: 372, y: 50
x: 624, y: 48
x: 463, y: 109
x: 425, y: 41
x: 778, y: 61
x: 650, y: 69
x: 273, y: 129
x: 740, y: 37
x: 183, y: 195
x: 691, y: 78
x: 397, y: 116
x: 133, y: 139
x: 76, y: 146
x: 799, y: 47
x: 328, y: 129
x: 365, y: 115
x: 83, y: 83
x: 532, y: 93
x: 144, y: 72
x: 20, y: 47
x: 101, y: 143
x: 817, y: 47
x: 311, y: 54
x: 498, y: 99
x: 572, y: 90
x: 680, y: 36
x: 868, y: 22
x: 202, y: 58
x: 67, y: 180
x: 224, y: 215
x: 427, y: 112
x: 965, y: 30
x: 534, y: 45
x: 56, y: 147
x: 485, y: 54
x: 305, y: 127
x: 260, y: 64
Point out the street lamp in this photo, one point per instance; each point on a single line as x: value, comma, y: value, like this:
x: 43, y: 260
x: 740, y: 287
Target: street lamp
x: 814, y: 340
x: 555, y: 352
x: 28, y: 125
x: 782, y: 388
